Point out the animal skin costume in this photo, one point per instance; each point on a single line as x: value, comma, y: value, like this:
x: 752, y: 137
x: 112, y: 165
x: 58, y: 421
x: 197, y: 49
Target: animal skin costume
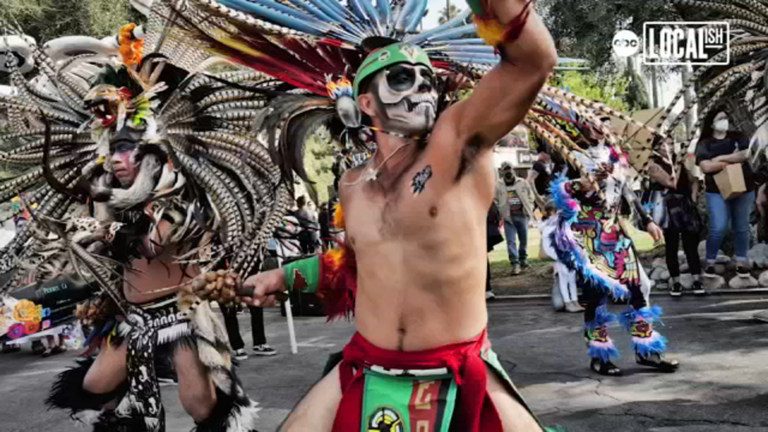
x: 200, y: 172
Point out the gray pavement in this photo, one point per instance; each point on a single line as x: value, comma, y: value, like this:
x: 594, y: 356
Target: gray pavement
x: 722, y: 385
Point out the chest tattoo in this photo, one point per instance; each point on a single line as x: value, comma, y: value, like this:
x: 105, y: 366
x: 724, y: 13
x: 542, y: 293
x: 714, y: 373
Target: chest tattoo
x: 420, y: 180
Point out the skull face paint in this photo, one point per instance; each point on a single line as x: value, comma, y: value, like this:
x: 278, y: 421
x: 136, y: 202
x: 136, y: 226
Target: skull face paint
x: 407, y: 98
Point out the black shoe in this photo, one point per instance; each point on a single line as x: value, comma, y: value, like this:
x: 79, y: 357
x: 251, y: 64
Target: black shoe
x: 676, y: 290
x: 656, y: 361
x: 742, y: 270
x: 524, y: 265
x: 698, y: 288
x: 710, y: 271
x: 604, y: 368
x: 263, y: 350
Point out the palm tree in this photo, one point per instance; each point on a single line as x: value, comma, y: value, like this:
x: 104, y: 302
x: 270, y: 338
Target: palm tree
x: 448, y: 12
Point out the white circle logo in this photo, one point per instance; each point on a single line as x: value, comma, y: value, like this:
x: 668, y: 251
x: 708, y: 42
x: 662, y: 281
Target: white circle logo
x: 626, y: 43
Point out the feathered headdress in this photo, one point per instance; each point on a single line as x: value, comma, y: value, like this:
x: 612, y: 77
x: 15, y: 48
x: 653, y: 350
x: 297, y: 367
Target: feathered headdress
x: 200, y: 165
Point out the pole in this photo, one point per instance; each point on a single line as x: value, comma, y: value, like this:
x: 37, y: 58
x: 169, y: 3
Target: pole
x: 289, y: 317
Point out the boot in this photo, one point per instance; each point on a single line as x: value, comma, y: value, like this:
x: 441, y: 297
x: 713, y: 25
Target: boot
x: 648, y: 344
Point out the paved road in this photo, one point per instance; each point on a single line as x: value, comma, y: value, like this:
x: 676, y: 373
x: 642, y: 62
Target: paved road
x: 723, y: 385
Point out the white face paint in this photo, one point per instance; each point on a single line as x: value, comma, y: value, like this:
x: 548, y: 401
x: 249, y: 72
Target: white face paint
x: 408, y: 97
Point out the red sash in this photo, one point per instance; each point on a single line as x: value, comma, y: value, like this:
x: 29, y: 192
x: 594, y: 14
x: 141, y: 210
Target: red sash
x: 475, y: 411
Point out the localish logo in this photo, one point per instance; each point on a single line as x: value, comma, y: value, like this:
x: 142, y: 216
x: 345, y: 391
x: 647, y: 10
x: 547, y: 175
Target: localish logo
x: 686, y: 42
x: 385, y: 420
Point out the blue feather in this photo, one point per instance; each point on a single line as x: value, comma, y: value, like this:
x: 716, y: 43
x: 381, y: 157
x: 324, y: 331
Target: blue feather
x: 569, y: 252
x: 318, y: 13
x: 457, y: 32
x: 655, y: 344
x: 333, y: 13
x: 372, y: 14
x: 459, y: 20
x: 357, y: 9
x: 604, y: 352
x: 649, y: 314
x: 385, y: 11
x: 417, y: 16
x: 603, y: 318
x: 277, y: 13
x: 402, y: 16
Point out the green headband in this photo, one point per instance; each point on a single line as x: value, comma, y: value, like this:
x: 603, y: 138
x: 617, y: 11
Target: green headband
x: 388, y: 56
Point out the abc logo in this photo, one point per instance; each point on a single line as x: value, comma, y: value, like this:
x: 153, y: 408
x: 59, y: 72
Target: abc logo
x: 626, y: 43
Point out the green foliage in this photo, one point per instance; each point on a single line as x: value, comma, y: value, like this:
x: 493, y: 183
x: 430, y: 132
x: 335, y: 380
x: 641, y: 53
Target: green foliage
x: 319, y: 152
x: 585, y: 28
x: 49, y: 19
x: 636, y: 96
x: 606, y: 89
x: 447, y: 13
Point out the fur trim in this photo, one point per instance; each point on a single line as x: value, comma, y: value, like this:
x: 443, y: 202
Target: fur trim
x: 569, y: 251
x: 67, y: 393
x: 648, y: 314
x: 655, y: 344
x: 602, y: 350
x: 603, y: 318
x: 231, y: 414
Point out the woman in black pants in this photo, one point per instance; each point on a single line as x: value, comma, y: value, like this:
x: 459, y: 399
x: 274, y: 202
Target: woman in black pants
x: 677, y: 215
x: 260, y: 346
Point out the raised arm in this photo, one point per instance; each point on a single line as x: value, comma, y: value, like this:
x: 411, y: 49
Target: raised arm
x: 504, y: 95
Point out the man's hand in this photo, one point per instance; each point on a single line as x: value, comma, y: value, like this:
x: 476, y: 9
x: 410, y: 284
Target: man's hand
x: 262, y: 289
x: 654, y: 231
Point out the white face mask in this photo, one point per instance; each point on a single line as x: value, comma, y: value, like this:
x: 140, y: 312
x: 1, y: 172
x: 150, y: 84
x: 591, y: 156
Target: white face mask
x: 408, y: 96
x: 721, y: 125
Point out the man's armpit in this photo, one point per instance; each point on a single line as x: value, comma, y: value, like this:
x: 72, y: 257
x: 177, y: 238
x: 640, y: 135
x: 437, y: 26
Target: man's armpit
x: 470, y: 151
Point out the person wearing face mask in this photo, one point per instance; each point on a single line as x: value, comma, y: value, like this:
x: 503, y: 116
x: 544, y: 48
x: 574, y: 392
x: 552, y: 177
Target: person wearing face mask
x: 718, y: 148
x: 515, y: 201
x: 675, y: 211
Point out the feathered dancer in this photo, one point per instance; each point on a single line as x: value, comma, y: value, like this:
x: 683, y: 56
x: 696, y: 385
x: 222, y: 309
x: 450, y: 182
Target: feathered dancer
x: 144, y: 177
x: 363, y: 70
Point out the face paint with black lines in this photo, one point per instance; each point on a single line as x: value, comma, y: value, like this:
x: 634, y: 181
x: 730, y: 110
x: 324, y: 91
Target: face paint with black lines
x: 407, y: 98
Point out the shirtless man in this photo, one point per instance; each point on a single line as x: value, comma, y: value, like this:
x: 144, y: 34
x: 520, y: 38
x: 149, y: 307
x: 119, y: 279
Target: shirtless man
x: 140, y: 287
x: 415, y: 219
x: 121, y: 381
